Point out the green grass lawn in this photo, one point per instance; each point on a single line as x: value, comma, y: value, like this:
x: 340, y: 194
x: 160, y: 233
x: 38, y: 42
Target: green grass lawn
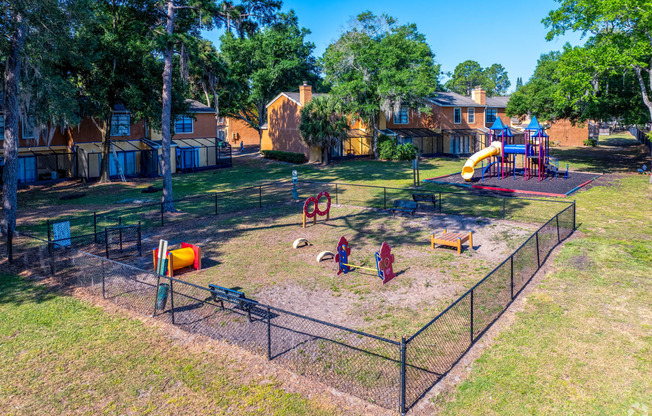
x: 60, y: 355
x: 583, y: 344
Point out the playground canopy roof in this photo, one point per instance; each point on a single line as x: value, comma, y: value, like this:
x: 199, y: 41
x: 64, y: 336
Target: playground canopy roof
x: 501, y: 129
x: 535, y: 128
x: 410, y: 132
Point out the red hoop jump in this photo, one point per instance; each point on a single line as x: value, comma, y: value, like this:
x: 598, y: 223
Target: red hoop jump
x: 316, y: 211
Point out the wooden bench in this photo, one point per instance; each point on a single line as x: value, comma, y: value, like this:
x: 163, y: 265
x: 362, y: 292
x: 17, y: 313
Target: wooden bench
x: 452, y: 240
x: 404, y: 205
x: 221, y: 294
x: 425, y: 198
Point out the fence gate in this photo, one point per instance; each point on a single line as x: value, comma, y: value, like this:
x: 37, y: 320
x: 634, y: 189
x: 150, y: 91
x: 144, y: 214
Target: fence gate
x: 122, y: 241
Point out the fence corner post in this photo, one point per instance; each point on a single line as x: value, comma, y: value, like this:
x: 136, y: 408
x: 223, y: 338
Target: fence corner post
x: 401, y: 403
x: 269, y: 335
x: 106, y: 242
x: 162, y: 213
x: 574, y: 214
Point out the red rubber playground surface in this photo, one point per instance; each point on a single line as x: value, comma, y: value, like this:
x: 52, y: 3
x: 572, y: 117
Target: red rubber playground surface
x: 557, y: 187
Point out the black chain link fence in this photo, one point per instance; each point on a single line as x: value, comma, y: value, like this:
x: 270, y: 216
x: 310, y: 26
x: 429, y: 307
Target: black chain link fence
x: 383, y: 371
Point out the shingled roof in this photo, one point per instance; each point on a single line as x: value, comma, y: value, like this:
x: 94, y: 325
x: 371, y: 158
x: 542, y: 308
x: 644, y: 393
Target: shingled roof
x: 453, y: 99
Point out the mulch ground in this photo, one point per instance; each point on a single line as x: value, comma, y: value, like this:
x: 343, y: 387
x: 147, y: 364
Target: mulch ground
x: 550, y: 187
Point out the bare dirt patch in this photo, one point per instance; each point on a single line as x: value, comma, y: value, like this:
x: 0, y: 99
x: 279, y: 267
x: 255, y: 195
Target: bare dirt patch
x: 252, y: 252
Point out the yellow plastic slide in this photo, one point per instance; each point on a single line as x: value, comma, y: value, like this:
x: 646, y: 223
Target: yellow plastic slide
x: 469, y: 166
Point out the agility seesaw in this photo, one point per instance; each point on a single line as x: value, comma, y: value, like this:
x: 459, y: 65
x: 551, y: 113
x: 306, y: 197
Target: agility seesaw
x: 384, y: 261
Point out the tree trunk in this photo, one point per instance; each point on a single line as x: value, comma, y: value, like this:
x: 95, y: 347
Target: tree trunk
x: 12, y: 117
x: 646, y: 99
x: 166, y: 114
x: 261, y: 121
x: 106, y: 149
x: 324, y: 155
x: 374, y: 141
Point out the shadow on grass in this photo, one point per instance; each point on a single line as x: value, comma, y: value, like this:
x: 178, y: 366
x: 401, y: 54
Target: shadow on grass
x: 17, y: 291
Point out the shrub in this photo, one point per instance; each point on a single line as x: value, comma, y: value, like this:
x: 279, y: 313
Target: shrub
x: 406, y: 151
x: 284, y: 156
x: 386, y: 147
x: 591, y: 141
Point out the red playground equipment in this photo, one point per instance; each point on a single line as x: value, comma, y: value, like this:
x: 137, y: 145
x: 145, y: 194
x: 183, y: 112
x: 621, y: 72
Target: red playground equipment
x: 384, y: 260
x: 316, y: 211
x: 503, y: 153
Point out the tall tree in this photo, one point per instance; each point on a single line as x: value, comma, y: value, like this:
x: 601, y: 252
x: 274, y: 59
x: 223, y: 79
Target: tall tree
x: 469, y: 74
x: 377, y: 66
x: 182, y: 23
x: 261, y: 65
x: 116, y: 66
x: 540, y: 95
x: 620, y: 40
x: 34, y: 40
x: 496, y: 80
x: 323, y: 124
x: 465, y: 77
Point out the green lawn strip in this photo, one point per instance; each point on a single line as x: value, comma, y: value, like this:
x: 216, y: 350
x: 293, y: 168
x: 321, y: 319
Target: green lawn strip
x: 245, y: 172
x: 60, y: 355
x: 582, y: 344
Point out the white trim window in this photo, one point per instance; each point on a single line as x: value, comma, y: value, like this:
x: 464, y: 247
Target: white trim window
x: 183, y: 125
x: 402, y: 117
x: 28, y: 127
x: 121, y: 124
x: 491, y: 114
x: 470, y: 115
x: 457, y: 115
x: 2, y: 126
x: 404, y: 140
x: 220, y: 120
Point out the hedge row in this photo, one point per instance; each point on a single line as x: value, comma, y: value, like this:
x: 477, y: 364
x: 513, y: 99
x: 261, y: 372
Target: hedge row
x: 285, y: 156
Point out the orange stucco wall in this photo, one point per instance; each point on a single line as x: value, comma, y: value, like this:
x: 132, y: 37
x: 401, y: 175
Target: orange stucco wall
x: 283, y: 118
x: 203, y: 126
x: 564, y: 133
x: 239, y: 131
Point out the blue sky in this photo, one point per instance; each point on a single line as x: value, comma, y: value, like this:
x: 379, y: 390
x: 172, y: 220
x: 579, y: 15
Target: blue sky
x: 508, y: 32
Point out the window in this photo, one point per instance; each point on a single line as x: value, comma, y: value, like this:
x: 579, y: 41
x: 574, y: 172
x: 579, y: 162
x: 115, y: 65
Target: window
x: 404, y: 140
x: 457, y: 115
x: 491, y: 115
x: 28, y: 127
x: 220, y: 120
x: 402, y: 116
x: 2, y: 126
x: 183, y: 124
x: 470, y: 115
x: 221, y: 135
x: 121, y: 124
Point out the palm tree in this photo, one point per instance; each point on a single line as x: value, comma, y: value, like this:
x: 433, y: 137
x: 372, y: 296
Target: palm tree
x: 322, y: 124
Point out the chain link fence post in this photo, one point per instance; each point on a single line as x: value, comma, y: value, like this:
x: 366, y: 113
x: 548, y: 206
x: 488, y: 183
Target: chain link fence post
x: 511, y: 274
x: 172, y: 300
x: 103, y: 280
x: 471, y: 316
x: 401, y: 400
x: 536, y: 235
x: 269, y: 334
x: 162, y: 213
x: 384, y: 198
